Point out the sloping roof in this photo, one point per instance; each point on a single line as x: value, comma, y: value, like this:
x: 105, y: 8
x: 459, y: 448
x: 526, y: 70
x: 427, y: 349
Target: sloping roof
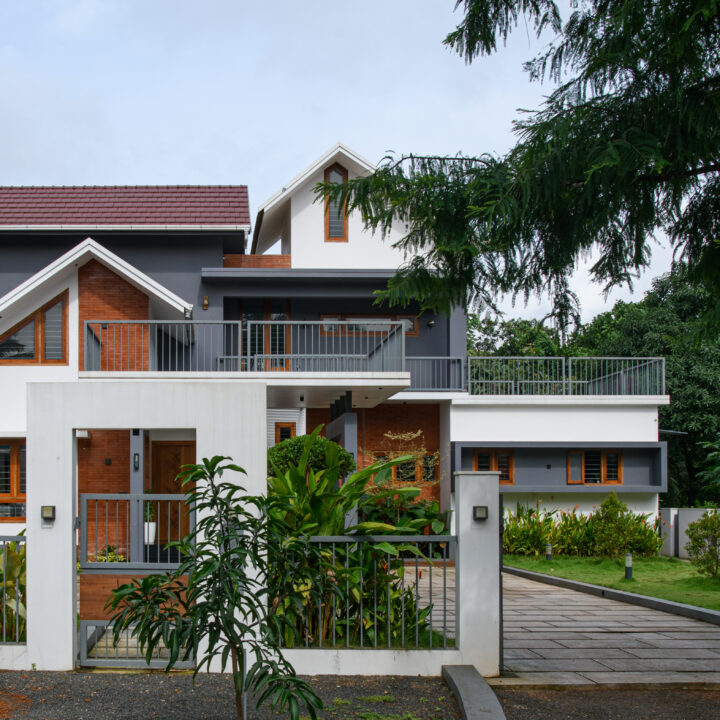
x: 95, y: 206
x: 83, y: 252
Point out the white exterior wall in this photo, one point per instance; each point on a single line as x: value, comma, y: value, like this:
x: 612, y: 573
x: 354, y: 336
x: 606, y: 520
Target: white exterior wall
x: 228, y: 419
x: 554, y: 419
x: 581, y: 503
x: 364, y: 250
x: 14, y: 378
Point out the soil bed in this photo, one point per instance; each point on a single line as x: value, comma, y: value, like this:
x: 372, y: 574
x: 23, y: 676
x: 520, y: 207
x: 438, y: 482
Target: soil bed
x: 574, y: 703
x: 140, y: 696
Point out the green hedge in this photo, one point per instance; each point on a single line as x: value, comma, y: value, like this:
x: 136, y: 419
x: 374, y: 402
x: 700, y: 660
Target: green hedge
x: 610, y: 532
x: 287, y: 454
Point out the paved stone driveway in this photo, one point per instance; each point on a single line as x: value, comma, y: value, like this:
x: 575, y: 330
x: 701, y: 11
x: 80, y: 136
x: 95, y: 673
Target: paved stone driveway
x: 559, y: 636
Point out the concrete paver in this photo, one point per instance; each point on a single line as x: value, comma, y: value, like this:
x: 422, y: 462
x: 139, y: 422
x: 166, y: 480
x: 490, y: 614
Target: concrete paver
x: 562, y: 637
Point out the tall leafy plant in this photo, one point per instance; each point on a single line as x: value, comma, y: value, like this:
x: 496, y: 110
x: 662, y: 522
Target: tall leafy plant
x: 243, y: 565
x: 13, y: 589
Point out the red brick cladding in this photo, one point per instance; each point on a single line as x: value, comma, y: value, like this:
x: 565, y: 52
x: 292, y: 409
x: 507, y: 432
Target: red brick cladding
x: 103, y: 295
x: 256, y: 261
x: 94, y: 476
x: 397, y: 419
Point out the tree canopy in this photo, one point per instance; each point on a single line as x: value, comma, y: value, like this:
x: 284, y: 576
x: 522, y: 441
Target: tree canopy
x: 625, y: 148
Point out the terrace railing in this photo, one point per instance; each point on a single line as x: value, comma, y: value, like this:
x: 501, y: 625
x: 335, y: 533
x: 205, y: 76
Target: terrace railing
x: 13, y: 590
x: 436, y: 373
x: 558, y: 376
x: 382, y: 591
x: 122, y: 532
x: 252, y: 345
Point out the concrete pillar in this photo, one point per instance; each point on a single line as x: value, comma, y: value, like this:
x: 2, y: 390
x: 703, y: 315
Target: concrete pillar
x: 137, y: 485
x: 478, y: 570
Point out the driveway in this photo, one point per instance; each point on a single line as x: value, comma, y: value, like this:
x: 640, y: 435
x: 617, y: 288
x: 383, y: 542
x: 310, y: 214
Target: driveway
x: 559, y: 636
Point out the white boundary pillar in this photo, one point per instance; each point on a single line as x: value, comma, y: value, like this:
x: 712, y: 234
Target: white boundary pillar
x: 478, y: 570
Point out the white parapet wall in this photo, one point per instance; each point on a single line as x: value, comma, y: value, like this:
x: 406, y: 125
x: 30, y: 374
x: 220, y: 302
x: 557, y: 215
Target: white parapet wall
x: 477, y: 601
x: 581, y: 503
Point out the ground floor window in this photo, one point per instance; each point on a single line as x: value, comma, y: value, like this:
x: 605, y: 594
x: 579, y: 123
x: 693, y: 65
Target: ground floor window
x: 420, y: 469
x: 594, y: 467
x: 12, y: 480
x: 284, y: 431
x: 485, y: 459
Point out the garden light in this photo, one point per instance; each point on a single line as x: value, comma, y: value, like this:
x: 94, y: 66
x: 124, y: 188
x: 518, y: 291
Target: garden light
x: 628, y: 566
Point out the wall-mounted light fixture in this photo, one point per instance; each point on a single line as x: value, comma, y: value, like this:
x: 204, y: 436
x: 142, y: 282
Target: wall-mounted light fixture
x: 136, y: 462
x: 431, y: 323
x: 206, y: 302
x: 47, y: 513
x: 480, y: 513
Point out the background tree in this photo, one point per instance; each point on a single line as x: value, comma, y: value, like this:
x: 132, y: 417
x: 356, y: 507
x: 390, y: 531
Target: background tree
x: 667, y: 323
x: 627, y: 145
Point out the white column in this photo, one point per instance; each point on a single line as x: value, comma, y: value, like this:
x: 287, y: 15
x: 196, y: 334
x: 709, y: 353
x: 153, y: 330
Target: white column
x: 478, y: 570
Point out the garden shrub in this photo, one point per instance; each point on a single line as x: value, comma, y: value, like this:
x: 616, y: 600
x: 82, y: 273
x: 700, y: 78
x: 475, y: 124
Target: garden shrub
x: 611, y: 531
x: 704, y: 543
x: 288, y: 453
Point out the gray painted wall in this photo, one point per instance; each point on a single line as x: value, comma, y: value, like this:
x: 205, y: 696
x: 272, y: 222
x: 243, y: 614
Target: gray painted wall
x: 546, y: 467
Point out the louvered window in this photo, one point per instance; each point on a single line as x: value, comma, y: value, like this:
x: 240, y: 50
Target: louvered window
x: 335, y: 211
x: 40, y: 338
x: 494, y: 459
x: 12, y: 480
x: 594, y: 467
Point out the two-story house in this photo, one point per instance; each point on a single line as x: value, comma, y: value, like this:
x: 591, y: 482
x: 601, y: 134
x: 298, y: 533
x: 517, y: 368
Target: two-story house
x: 144, y: 327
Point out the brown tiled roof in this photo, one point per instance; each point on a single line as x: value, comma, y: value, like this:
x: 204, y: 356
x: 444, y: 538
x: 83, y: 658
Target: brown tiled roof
x: 125, y: 205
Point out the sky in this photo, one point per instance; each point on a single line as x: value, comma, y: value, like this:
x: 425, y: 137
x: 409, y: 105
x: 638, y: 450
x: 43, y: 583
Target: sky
x: 237, y: 92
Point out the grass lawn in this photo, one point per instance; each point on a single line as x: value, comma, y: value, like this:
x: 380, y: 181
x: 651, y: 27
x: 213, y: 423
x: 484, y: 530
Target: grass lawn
x: 660, y: 577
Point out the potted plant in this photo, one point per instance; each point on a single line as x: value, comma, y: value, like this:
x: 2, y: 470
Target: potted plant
x: 150, y: 525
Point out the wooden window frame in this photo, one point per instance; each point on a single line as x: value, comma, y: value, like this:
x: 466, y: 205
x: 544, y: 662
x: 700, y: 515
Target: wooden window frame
x: 349, y: 317
x: 493, y: 453
x: 604, y: 452
x: 280, y: 425
x: 344, y: 238
x: 14, y: 496
x: 418, y: 469
x: 39, y: 317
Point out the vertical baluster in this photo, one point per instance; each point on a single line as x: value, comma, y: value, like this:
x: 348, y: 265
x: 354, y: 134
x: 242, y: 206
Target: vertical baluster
x: 402, y: 605
x: 375, y: 621
x: 333, y: 595
x: 362, y: 549
x: 4, y: 593
x: 430, y: 596
x: 347, y: 594
x: 387, y: 592
x: 444, y: 547
x: 417, y: 601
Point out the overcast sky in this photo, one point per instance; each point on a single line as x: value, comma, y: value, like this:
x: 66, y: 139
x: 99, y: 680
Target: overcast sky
x: 238, y: 92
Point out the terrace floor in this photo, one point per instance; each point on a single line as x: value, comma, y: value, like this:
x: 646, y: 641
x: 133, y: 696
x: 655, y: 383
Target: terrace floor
x: 562, y: 637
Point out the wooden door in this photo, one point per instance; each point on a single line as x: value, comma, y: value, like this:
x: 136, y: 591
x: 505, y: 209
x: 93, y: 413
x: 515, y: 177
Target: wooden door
x: 173, y: 520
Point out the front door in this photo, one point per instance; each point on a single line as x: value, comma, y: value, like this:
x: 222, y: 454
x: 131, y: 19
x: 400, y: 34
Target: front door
x: 168, y: 457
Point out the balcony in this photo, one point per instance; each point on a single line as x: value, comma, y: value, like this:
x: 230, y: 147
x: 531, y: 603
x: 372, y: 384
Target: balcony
x: 248, y: 346
x: 334, y: 346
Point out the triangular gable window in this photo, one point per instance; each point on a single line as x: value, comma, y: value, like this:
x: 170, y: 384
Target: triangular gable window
x: 40, y: 338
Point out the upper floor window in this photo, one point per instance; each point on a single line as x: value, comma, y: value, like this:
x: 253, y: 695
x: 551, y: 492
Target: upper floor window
x: 336, y: 229
x: 594, y: 467
x: 41, y: 338
x: 12, y: 480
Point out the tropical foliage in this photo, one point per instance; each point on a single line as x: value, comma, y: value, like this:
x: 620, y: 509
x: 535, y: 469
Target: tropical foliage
x: 288, y: 453
x: 224, y: 603
x: 362, y: 597
x: 13, y: 590
x: 626, y: 145
x: 611, y: 531
x: 703, y: 544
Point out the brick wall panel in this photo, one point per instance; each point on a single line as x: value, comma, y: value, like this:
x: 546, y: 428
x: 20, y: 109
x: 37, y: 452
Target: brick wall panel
x: 104, y: 295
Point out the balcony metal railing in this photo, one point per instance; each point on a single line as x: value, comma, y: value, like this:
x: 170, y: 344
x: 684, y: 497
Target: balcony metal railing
x: 120, y: 532
x: 255, y: 346
x: 436, y: 373
x: 556, y: 376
